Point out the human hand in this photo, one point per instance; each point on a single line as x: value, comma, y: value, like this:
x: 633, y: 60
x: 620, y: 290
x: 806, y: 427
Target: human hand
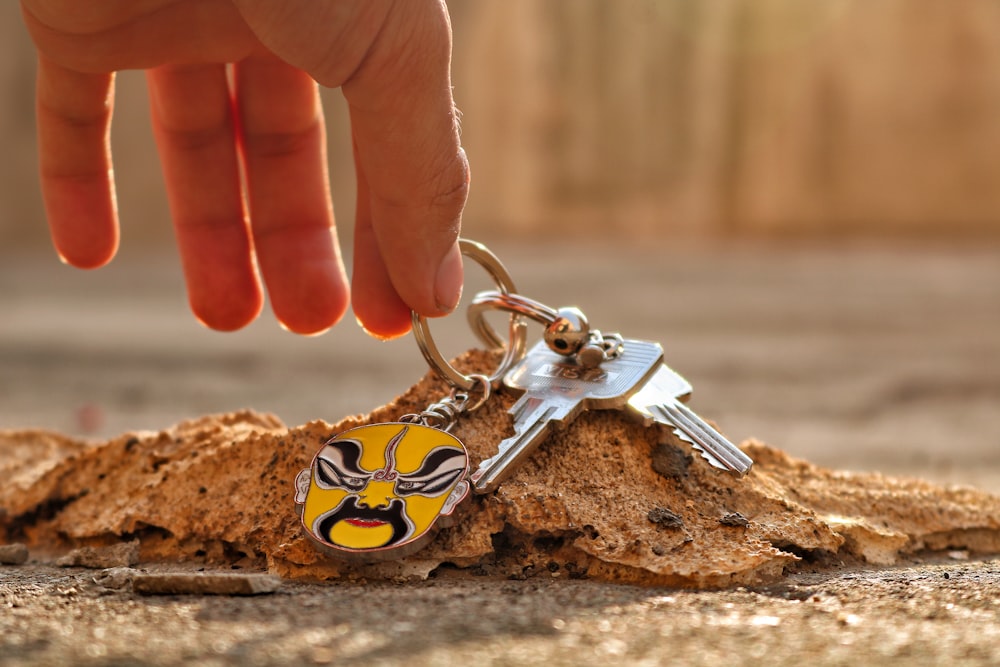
x: 391, y: 61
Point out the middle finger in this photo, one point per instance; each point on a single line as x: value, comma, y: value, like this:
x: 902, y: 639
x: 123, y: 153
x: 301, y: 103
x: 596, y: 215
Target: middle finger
x: 193, y: 124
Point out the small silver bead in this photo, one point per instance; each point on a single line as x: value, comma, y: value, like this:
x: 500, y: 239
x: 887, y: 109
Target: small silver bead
x: 569, y: 332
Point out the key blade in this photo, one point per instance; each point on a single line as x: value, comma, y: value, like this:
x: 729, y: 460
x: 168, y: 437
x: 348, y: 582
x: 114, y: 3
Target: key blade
x: 714, y: 447
x: 534, y: 417
x: 523, y: 409
x: 664, y: 382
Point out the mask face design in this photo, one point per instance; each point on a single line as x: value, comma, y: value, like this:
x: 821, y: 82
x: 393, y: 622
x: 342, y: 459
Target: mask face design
x: 377, y: 491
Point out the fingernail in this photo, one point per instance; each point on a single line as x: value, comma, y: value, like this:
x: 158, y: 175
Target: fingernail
x: 448, y: 284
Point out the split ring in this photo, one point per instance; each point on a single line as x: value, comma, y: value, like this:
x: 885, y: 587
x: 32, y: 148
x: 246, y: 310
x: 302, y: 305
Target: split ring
x: 515, y: 347
x: 515, y: 304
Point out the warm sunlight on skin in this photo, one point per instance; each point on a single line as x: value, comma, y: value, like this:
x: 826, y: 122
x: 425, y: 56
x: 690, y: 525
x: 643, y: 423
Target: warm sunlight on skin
x: 233, y: 90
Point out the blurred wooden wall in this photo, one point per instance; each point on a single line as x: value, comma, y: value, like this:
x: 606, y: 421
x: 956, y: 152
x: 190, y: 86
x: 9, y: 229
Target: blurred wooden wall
x: 704, y: 117
x: 721, y: 116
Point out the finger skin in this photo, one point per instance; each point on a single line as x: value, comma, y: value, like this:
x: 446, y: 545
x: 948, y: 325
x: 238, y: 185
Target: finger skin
x: 378, y: 308
x: 406, y: 132
x: 392, y: 62
x: 109, y: 35
x: 284, y: 150
x: 73, y: 113
x: 193, y: 124
x: 390, y: 57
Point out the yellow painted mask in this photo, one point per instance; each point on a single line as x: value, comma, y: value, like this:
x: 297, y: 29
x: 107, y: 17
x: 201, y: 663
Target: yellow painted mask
x: 377, y: 491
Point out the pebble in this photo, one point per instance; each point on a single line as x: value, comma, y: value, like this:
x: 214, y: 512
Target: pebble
x: 201, y: 583
x: 115, y: 578
x: 669, y: 461
x: 13, y: 554
x: 734, y: 519
x: 665, y: 518
x: 118, y: 555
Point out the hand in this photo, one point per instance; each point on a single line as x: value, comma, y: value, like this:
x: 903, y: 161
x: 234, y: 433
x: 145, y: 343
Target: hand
x: 391, y: 61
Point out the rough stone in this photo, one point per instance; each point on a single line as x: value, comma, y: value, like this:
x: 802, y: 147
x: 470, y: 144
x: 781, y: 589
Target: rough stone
x: 13, y: 554
x: 670, y: 460
x: 219, y: 490
x: 663, y: 517
x: 115, y: 578
x: 120, y: 554
x: 200, y: 583
x: 735, y: 520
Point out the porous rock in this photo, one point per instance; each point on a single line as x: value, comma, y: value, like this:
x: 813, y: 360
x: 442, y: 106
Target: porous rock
x: 219, y: 490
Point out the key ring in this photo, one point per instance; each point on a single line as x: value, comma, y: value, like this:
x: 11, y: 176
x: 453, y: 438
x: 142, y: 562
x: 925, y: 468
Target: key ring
x: 515, y: 347
x: 512, y: 303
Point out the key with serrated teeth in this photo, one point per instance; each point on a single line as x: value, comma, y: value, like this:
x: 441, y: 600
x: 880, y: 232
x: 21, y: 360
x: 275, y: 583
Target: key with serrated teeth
x: 659, y: 401
x: 556, y: 389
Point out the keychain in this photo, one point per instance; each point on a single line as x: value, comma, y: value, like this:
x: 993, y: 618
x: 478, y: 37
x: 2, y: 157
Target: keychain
x: 381, y: 491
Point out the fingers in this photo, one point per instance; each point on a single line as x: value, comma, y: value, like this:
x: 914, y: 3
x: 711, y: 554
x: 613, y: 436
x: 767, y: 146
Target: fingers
x: 379, y: 309
x: 74, y: 121
x: 406, y: 135
x: 284, y: 151
x: 194, y: 129
x: 392, y: 60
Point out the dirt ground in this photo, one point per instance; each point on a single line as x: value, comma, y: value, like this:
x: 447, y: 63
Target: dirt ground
x: 863, y: 358
x: 932, y: 613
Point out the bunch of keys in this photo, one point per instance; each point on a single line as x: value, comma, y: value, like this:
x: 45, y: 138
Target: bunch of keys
x: 574, y: 368
x: 381, y: 491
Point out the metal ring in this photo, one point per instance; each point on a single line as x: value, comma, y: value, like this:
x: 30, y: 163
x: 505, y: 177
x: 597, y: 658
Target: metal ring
x: 515, y: 304
x: 515, y: 346
x: 487, y: 390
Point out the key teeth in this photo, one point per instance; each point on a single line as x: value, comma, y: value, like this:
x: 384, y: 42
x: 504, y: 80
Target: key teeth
x: 705, y: 454
x: 714, y: 462
x: 709, y: 457
x: 680, y: 414
x: 686, y: 438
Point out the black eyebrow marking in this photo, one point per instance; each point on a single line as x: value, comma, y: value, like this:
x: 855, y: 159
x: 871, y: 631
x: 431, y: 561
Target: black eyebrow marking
x: 435, y: 459
x: 440, y: 469
x: 337, y: 459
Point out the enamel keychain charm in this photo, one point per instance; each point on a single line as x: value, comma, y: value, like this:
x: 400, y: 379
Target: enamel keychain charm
x: 377, y: 491
x: 381, y: 491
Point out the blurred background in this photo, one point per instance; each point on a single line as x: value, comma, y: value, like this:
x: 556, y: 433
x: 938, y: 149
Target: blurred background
x: 706, y: 117
x: 800, y: 200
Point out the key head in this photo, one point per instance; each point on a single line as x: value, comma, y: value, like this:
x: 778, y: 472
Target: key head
x: 608, y: 386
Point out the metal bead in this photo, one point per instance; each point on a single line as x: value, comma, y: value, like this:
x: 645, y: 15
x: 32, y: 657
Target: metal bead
x: 590, y: 355
x: 568, y: 332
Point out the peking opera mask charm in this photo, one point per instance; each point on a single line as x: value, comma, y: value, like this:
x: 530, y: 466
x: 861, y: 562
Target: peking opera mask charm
x: 380, y: 491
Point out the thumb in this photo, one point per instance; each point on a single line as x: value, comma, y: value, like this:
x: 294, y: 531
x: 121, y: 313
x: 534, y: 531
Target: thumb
x: 406, y: 138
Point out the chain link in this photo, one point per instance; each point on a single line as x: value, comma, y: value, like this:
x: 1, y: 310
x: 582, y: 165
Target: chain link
x: 443, y: 414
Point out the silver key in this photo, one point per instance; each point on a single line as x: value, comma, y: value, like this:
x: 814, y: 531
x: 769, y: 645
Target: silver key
x: 659, y: 400
x: 556, y: 390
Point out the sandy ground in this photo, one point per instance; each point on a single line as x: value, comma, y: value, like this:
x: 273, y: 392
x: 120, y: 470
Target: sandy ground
x: 864, y: 358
